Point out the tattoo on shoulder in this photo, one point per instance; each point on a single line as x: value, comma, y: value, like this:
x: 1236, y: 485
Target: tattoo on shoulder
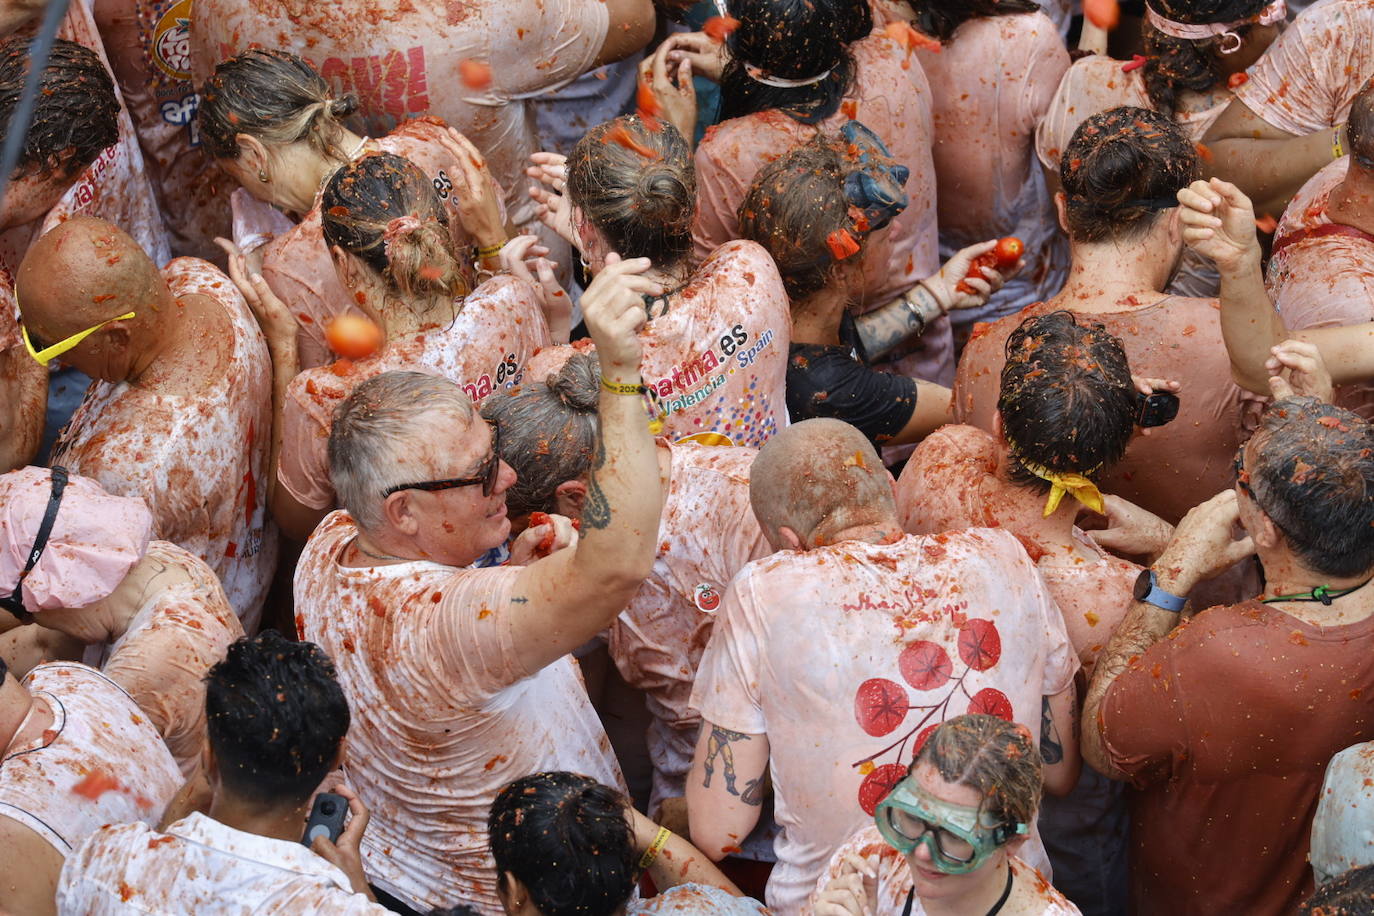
x: 1051, y: 746
x: 718, y: 747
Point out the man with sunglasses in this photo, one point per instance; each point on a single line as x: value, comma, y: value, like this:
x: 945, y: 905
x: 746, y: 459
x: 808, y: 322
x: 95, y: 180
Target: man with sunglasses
x: 459, y: 678
x: 180, y: 412
x: 1226, y: 726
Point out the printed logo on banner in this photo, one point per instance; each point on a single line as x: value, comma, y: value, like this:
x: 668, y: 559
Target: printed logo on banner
x: 172, y: 42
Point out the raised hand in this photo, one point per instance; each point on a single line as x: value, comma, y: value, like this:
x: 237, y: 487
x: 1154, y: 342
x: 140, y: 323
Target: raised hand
x: 1297, y: 369
x: 1219, y: 223
x: 613, y: 307
x: 550, y: 171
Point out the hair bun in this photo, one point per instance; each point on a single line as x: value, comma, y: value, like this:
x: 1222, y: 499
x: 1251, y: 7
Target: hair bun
x: 576, y: 384
x: 342, y: 108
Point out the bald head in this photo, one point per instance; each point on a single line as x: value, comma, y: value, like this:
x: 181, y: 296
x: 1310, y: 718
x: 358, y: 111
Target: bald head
x: 85, y: 271
x: 819, y: 477
x: 1359, y: 128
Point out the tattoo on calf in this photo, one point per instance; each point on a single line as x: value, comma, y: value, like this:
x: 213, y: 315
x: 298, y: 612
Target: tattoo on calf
x: 718, y: 745
x: 1051, y: 747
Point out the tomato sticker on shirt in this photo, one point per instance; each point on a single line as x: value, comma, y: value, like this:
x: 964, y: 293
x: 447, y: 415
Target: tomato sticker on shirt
x: 706, y: 598
x: 172, y: 41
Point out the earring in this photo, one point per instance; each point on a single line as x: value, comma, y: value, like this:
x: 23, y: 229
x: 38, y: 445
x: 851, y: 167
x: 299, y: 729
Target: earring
x: 262, y: 176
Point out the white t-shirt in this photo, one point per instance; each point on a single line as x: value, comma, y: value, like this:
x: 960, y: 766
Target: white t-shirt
x: 1343, y: 828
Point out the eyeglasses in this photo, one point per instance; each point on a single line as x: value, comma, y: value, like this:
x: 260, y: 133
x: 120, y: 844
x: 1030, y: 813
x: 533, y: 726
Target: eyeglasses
x: 46, y: 355
x: 486, y: 474
x: 1242, y: 475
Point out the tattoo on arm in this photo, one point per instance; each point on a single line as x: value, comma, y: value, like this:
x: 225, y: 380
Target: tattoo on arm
x: 718, y: 745
x: 519, y: 599
x: 596, y: 513
x: 1051, y: 746
x: 883, y: 330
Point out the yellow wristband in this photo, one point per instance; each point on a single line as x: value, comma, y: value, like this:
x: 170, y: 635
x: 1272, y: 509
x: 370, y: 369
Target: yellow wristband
x: 1337, y: 149
x: 651, y: 853
x: 489, y: 251
x: 618, y: 388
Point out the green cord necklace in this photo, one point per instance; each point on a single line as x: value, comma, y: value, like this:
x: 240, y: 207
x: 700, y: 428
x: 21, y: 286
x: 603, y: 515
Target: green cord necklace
x: 1322, y: 593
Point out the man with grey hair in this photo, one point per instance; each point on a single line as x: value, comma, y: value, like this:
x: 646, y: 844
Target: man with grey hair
x: 459, y: 679
x: 833, y: 659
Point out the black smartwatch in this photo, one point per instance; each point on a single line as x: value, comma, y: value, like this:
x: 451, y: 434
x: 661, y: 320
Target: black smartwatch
x: 1147, y: 590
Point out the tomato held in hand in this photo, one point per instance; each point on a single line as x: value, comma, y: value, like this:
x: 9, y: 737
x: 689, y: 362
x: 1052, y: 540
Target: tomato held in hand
x: 546, y: 542
x: 1008, y: 251
x: 353, y: 336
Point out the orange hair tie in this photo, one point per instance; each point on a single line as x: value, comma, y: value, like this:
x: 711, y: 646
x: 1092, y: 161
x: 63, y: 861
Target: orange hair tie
x: 842, y: 244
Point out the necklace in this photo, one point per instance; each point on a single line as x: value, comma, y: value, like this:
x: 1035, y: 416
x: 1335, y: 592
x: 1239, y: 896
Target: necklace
x: 996, y: 907
x: 1322, y: 593
x: 663, y: 298
x: 376, y: 556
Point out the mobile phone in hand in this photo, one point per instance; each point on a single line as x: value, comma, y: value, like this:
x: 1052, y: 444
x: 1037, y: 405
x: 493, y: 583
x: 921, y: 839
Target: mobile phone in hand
x: 1155, y: 409
x: 327, y: 817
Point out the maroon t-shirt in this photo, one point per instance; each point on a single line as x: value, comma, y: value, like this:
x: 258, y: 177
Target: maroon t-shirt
x: 1227, y: 726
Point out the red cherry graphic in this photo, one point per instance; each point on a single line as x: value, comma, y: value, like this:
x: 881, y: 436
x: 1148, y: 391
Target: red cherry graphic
x: 926, y: 664
x: 992, y: 702
x: 880, y: 706
x: 922, y: 738
x: 979, y: 644
x: 877, y: 784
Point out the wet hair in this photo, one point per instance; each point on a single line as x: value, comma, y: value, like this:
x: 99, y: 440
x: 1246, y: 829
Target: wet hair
x: 384, y: 210
x: 276, y: 718
x: 1311, y: 469
x: 996, y: 757
x: 548, y: 431
x: 792, y: 207
x: 1174, y: 65
x: 1120, y: 172
x: 75, y: 115
x: 1359, y: 127
x: 792, y: 39
x: 637, y: 186
x: 274, y: 96
x: 1350, y: 893
x: 383, y: 415
x: 940, y: 18
x: 1067, y: 400
x: 566, y: 839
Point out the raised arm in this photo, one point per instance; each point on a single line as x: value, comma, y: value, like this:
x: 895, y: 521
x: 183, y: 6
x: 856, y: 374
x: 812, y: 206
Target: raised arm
x: 676, y: 861
x: 1268, y: 164
x: 24, y: 391
x: 563, y: 600
x: 631, y: 27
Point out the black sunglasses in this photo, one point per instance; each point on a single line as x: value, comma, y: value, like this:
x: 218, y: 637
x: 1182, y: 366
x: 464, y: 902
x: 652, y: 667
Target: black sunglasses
x: 14, y: 602
x: 486, y: 474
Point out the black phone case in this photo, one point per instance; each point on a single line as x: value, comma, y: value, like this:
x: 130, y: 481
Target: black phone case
x: 327, y: 818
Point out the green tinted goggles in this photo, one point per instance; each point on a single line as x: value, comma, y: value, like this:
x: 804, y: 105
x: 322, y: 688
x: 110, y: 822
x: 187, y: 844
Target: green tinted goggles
x: 957, y: 837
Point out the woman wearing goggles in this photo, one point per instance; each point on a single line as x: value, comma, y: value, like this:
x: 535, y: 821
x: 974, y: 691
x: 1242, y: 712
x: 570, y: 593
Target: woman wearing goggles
x: 945, y: 837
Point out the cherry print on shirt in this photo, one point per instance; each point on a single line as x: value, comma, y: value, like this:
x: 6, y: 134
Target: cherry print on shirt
x: 882, y: 705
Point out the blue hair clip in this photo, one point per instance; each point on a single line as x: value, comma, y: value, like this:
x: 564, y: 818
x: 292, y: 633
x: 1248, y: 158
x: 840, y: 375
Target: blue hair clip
x: 878, y: 185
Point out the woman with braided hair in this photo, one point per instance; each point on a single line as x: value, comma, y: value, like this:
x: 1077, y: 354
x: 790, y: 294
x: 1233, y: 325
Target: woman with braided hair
x: 1197, y: 53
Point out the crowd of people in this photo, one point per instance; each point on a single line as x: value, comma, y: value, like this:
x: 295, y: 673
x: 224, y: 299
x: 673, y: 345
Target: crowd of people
x: 598, y: 457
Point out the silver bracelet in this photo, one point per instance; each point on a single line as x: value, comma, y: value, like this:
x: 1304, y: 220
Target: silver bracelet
x: 924, y: 312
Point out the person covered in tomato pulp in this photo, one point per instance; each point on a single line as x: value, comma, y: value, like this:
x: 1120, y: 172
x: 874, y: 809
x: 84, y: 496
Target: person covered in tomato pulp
x: 850, y: 606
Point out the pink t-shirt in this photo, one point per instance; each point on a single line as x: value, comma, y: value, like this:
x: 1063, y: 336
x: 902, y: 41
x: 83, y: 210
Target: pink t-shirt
x: 990, y: 86
x: 895, y: 885
x: 1307, y: 79
x: 115, y: 187
x: 403, y: 58
x: 198, y: 462
x: 175, y: 638
x: 894, y: 103
x: 486, y: 348
x: 100, y: 762
x: 706, y: 534
x: 202, y: 866
x: 149, y: 44
x: 717, y: 360
x: 444, y: 714
x: 916, y: 632
x: 950, y: 483
x: 1323, y: 281
x: 301, y: 272
x: 1176, y: 466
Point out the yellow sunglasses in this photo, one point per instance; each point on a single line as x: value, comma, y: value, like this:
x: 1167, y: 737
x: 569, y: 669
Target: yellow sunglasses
x: 48, y: 354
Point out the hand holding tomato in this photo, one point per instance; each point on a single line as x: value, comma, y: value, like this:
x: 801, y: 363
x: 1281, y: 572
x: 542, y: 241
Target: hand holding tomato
x: 969, y: 278
x: 547, y: 534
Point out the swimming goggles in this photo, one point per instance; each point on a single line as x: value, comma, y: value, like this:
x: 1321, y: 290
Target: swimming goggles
x: 957, y: 837
x: 50, y: 353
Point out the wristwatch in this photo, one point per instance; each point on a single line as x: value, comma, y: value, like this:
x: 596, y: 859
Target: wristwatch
x: 1147, y: 590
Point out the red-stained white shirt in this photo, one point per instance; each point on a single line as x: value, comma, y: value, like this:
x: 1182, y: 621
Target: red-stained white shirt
x: 298, y: 267
x: 1308, y: 77
x: 895, y: 884
x: 1323, y: 281
x: 444, y: 714
x: 202, y: 866
x: 486, y: 348
x: 100, y: 762
x: 403, y: 58
x: 847, y: 656
x: 198, y: 462
x: 990, y: 85
x: 1343, y: 827
x: 717, y: 360
x: 174, y: 639
x: 895, y: 103
x: 707, y: 532
x: 950, y: 483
